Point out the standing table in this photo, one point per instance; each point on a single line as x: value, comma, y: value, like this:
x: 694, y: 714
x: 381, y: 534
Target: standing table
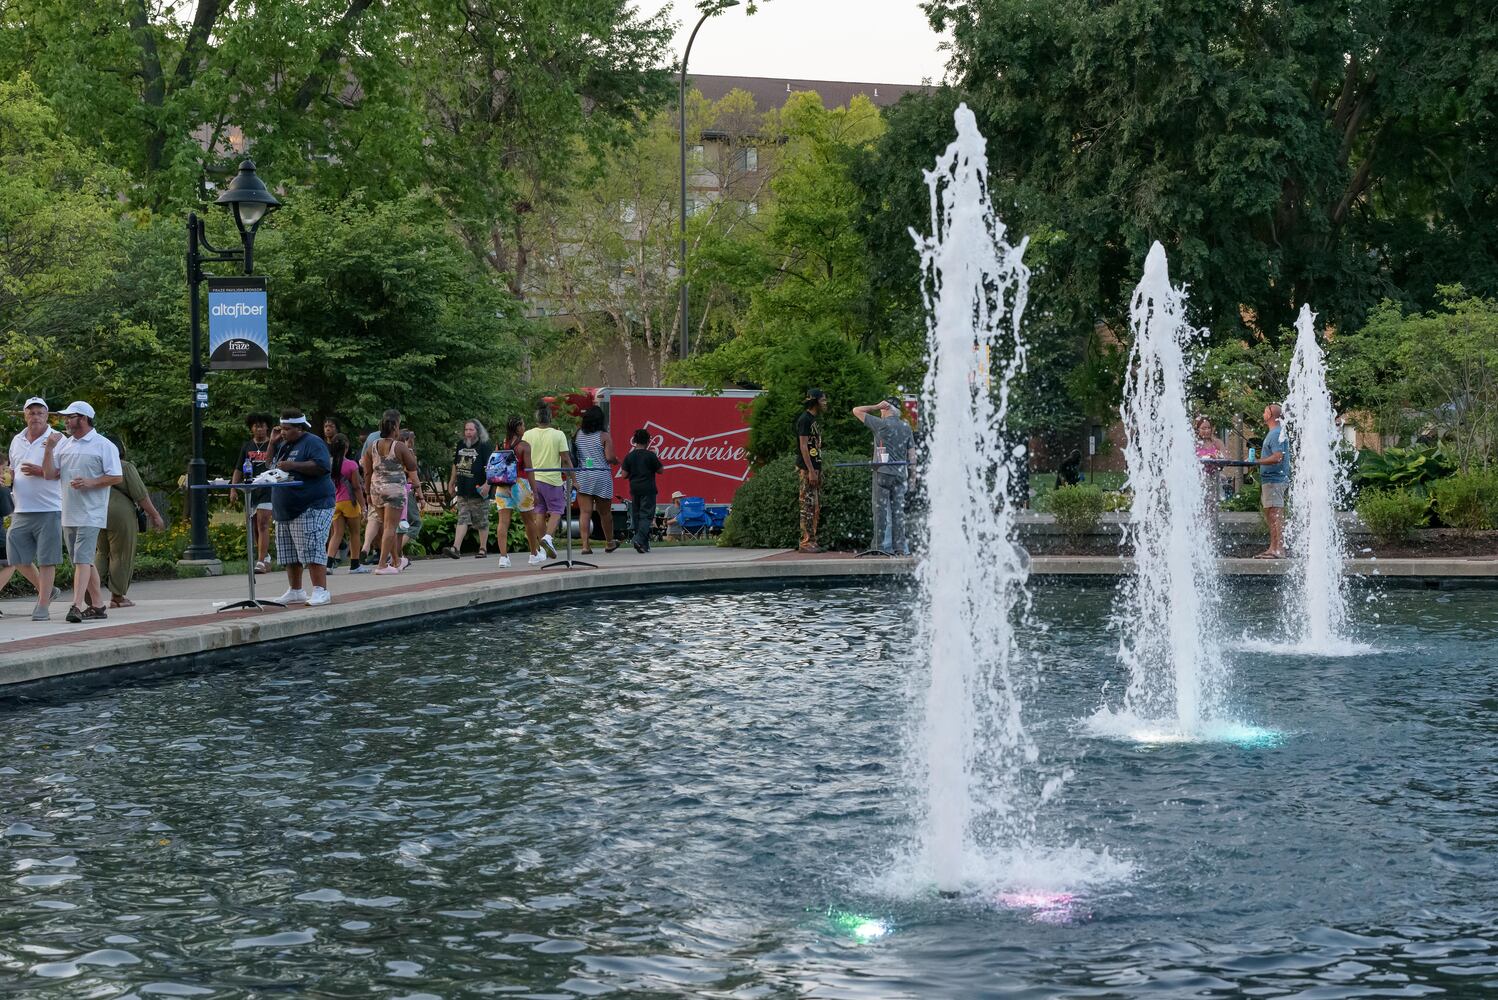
x: 249, y: 537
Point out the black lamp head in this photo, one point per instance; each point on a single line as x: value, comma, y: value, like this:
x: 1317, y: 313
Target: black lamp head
x: 249, y: 198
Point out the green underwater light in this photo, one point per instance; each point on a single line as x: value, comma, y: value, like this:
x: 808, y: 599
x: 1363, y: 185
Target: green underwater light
x: 860, y: 928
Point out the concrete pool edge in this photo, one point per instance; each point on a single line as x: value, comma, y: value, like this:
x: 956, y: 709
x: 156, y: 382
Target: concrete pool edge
x: 198, y: 639
x: 240, y: 632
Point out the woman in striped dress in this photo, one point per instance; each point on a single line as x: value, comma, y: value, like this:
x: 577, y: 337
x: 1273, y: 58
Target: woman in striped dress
x: 595, y: 478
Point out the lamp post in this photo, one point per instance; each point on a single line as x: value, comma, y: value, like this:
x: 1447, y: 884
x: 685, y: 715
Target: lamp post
x: 686, y: 316
x: 247, y: 197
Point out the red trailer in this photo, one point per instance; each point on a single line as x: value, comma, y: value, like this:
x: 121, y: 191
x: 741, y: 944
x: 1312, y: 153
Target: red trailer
x: 702, y: 440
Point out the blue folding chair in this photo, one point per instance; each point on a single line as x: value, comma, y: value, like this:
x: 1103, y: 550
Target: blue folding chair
x: 693, y: 518
x: 717, y: 515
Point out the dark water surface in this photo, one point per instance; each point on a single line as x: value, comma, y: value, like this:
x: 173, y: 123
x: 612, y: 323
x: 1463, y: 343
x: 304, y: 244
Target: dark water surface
x: 670, y: 804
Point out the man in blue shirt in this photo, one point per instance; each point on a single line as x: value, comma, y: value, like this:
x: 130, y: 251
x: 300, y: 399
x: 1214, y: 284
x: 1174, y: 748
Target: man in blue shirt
x: 304, y: 513
x: 1274, y: 481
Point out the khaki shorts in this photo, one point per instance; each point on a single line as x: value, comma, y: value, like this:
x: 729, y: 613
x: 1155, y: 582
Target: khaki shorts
x: 518, y: 497
x: 1272, y: 494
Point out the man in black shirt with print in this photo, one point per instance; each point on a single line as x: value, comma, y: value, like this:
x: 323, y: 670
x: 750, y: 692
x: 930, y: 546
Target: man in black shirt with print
x: 809, y: 466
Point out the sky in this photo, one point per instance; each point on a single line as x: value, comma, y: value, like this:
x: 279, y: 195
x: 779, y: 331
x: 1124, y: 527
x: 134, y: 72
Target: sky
x: 864, y: 41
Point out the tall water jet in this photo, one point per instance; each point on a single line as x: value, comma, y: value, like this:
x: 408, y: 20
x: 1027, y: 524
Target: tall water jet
x: 974, y: 746
x: 1317, y: 600
x: 1168, y: 611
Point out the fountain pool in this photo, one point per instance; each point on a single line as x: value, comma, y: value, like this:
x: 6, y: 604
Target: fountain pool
x: 701, y: 797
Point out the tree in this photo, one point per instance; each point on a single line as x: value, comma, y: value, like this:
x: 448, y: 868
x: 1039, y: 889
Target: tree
x: 377, y: 305
x: 57, y: 222
x: 807, y: 273
x: 1431, y: 373
x: 606, y: 253
x: 1285, y: 153
x: 825, y: 361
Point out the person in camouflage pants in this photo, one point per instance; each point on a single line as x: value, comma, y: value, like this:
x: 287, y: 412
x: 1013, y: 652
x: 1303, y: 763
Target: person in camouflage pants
x: 809, y: 466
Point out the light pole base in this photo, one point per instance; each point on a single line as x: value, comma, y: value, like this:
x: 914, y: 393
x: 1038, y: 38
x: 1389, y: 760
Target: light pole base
x: 212, y: 567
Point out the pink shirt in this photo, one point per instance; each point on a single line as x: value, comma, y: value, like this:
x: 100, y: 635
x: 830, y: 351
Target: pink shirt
x: 341, y: 491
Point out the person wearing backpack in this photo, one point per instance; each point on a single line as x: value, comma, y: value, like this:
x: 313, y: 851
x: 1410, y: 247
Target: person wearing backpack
x: 510, y: 475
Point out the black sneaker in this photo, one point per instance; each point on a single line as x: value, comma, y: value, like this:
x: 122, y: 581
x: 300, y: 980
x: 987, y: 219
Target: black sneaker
x: 74, y: 615
x: 638, y: 547
x: 93, y: 615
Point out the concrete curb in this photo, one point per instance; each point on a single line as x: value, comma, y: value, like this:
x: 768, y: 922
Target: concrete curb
x: 250, y: 628
x: 244, y: 630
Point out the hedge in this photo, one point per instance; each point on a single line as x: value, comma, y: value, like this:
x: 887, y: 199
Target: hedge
x: 1467, y: 501
x: 1077, y: 508
x: 767, y: 508
x: 1391, y: 514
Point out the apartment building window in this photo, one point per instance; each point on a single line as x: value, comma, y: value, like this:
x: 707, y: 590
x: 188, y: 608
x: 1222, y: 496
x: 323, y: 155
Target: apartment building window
x: 746, y: 159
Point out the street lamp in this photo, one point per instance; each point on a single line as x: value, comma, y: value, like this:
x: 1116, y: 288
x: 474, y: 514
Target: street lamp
x: 250, y: 201
x: 686, y: 316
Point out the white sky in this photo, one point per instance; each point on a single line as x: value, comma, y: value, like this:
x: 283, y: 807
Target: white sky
x: 864, y: 41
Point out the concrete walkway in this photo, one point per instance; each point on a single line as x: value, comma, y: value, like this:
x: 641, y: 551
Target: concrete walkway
x: 178, y: 619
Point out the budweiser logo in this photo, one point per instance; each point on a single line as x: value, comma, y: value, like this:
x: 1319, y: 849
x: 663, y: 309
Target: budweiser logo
x: 707, y: 454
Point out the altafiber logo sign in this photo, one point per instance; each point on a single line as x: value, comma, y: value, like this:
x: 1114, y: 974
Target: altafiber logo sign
x: 238, y: 332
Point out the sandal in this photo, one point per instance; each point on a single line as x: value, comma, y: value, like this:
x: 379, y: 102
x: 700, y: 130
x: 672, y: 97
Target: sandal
x: 611, y: 546
x: 262, y: 566
x: 121, y: 602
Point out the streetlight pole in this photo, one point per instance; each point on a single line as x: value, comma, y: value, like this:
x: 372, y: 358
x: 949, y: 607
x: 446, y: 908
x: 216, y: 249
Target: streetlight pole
x: 686, y: 316
x: 250, y: 202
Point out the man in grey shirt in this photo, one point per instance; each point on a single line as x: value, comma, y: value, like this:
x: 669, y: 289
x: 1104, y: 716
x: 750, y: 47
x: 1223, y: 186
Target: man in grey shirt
x: 894, y: 465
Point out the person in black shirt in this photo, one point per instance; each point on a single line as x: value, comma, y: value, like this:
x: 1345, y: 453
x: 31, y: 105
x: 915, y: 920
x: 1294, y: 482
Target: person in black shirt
x: 809, y: 466
x: 641, y: 465
x: 256, y: 452
x: 470, y: 487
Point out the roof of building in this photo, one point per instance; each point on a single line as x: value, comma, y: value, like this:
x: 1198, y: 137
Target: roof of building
x: 771, y: 92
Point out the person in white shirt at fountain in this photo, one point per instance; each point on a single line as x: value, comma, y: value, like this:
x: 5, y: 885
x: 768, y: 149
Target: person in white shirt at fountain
x: 88, y: 464
x: 34, y: 542
x: 1274, y: 481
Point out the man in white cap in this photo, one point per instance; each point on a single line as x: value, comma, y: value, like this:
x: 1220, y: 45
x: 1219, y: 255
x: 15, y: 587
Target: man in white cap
x: 34, y: 543
x: 672, y: 515
x: 88, y: 464
x: 303, y: 514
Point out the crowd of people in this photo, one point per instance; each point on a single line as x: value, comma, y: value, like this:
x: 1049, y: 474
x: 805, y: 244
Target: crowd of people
x: 316, y: 499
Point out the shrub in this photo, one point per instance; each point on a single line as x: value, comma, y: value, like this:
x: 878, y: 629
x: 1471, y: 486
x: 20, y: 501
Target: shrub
x: 767, y: 510
x: 828, y: 362
x: 1413, y: 468
x: 1117, y: 501
x: 1245, y: 501
x: 1077, y: 508
x: 438, y: 531
x: 1391, y: 514
x: 1467, y: 501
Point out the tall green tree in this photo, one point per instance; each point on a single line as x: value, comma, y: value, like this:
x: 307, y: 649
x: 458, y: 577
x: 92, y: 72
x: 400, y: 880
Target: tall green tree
x: 1326, y: 151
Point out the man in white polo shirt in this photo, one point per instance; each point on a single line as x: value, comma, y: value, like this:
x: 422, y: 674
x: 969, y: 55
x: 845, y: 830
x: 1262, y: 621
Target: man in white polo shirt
x: 33, y: 544
x: 88, y: 464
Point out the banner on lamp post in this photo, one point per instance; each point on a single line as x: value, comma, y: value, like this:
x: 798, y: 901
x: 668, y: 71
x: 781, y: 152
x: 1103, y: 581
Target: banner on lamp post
x: 238, y: 333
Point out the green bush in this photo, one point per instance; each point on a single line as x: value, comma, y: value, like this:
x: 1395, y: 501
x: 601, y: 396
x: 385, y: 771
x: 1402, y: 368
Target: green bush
x: 1391, y: 514
x: 1414, y: 468
x: 438, y: 531
x: 767, y: 508
x: 1077, y: 508
x: 823, y: 361
x: 1245, y: 501
x: 1467, y: 501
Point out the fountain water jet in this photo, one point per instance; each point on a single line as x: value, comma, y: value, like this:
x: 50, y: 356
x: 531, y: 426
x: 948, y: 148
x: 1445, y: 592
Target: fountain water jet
x: 1169, y: 607
x: 973, y: 577
x: 1317, y: 600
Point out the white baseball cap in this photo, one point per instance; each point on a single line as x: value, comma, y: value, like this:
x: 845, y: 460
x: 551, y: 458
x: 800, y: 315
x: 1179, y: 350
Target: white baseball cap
x: 78, y: 408
x: 34, y: 401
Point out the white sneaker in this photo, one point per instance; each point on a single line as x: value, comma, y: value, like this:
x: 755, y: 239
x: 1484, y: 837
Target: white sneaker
x: 320, y: 596
x: 536, y: 559
x: 551, y: 549
x: 504, y: 562
x: 293, y: 597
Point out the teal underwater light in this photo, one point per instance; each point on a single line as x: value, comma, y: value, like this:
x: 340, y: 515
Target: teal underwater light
x: 861, y: 928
